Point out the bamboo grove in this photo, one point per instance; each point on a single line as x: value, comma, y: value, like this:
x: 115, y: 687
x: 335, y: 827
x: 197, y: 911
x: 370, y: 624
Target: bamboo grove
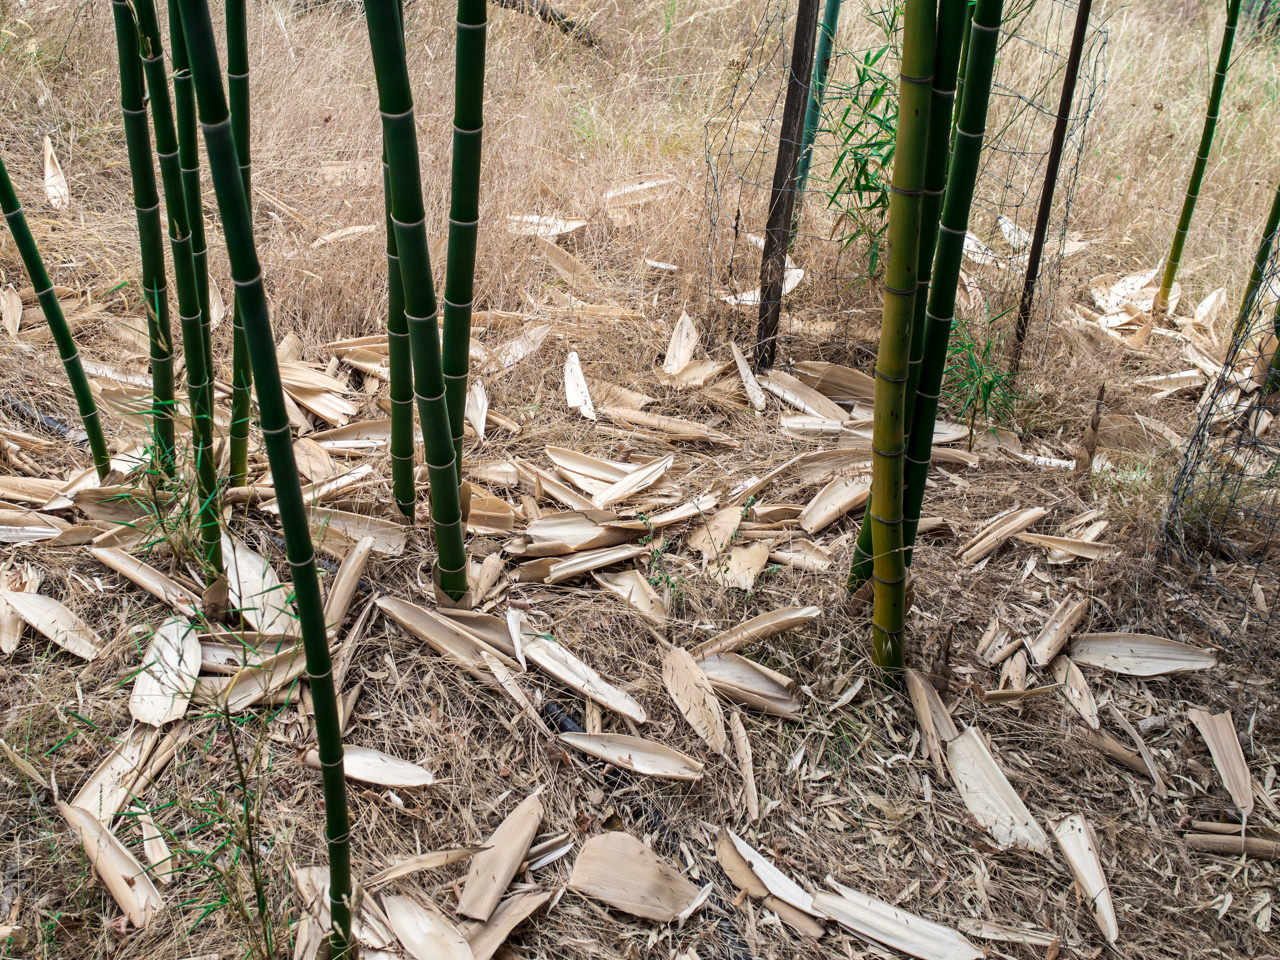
x: 199, y: 101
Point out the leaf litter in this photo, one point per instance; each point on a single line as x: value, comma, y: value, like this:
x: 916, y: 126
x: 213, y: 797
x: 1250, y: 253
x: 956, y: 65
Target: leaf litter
x: 804, y: 795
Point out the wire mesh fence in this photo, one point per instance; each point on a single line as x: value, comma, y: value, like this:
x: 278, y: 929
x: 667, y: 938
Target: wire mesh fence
x: 1223, y: 518
x: 831, y: 303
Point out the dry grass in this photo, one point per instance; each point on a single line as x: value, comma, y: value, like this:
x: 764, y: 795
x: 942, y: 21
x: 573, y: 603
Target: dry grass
x: 845, y: 791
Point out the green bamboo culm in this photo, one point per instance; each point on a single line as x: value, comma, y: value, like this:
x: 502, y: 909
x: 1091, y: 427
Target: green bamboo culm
x: 246, y: 271
x: 400, y: 366
x: 964, y: 61
x: 146, y: 204
x: 952, y: 17
x: 48, y: 297
x: 184, y: 102
x: 198, y: 363
x: 1259, y: 265
x: 884, y: 512
x: 1202, y: 158
x: 464, y: 212
x: 241, y: 371
x: 400, y: 140
x: 813, y: 110
x: 963, y: 175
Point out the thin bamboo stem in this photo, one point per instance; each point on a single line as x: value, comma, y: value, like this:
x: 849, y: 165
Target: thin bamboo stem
x: 464, y: 213
x: 1259, y: 265
x: 241, y: 369
x: 146, y: 204
x: 199, y: 367
x: 184, y: 102
x: 400, y: 140
x: 48, y: 297
x: 399, y: 361
x: 1161, y: 302
x: 884, y: 514
x: 813, y: 113
x: 247, y: 273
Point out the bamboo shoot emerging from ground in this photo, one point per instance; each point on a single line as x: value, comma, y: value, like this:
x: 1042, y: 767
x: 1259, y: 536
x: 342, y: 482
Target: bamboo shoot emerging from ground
x: 984, y: 38
x: 146, y: 204
x: 952, y: 17
x: 241, y: 373
x: 884, y: 514
x: 464, y: 212
x: 1202, y: 157
x: 247, y: 273
x: 400, y: 140
x: 198, y: 363
x: 48, y: 298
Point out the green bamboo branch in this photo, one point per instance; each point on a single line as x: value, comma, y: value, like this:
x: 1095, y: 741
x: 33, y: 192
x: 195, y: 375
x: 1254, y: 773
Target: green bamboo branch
x: 400, y: 140
x: 884, y: 513
x: 963, y: 176
x: 199, y: 366
x: 246, y: 270
x: 1202, y: 158
x: 48, y: 297
x: 241, y: 371
x: 464, y: 212
x: 146, y: 205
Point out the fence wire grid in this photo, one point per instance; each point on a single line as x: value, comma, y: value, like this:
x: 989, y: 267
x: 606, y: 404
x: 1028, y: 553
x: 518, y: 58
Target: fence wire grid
x: 1223, y: 517
x: 831, y: 306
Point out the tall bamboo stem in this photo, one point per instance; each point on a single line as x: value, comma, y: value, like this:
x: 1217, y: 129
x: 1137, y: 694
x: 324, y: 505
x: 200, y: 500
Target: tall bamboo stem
x: 884, y: 514
x: 400, y: 140
x: 199, y: 365
x: 952, y: 18
x: 464, y: 212
x: 146, y: 204
x: 1202, y: 157
x: 965, y: 159
x: 48, y: 297
x: 400, y: 365
x: 184, y: 102
x: 246, y: 270
x: 813, y: 113
x: 241, y: 370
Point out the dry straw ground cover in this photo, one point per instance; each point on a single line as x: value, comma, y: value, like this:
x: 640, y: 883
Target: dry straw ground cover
x: 1036, y: 789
